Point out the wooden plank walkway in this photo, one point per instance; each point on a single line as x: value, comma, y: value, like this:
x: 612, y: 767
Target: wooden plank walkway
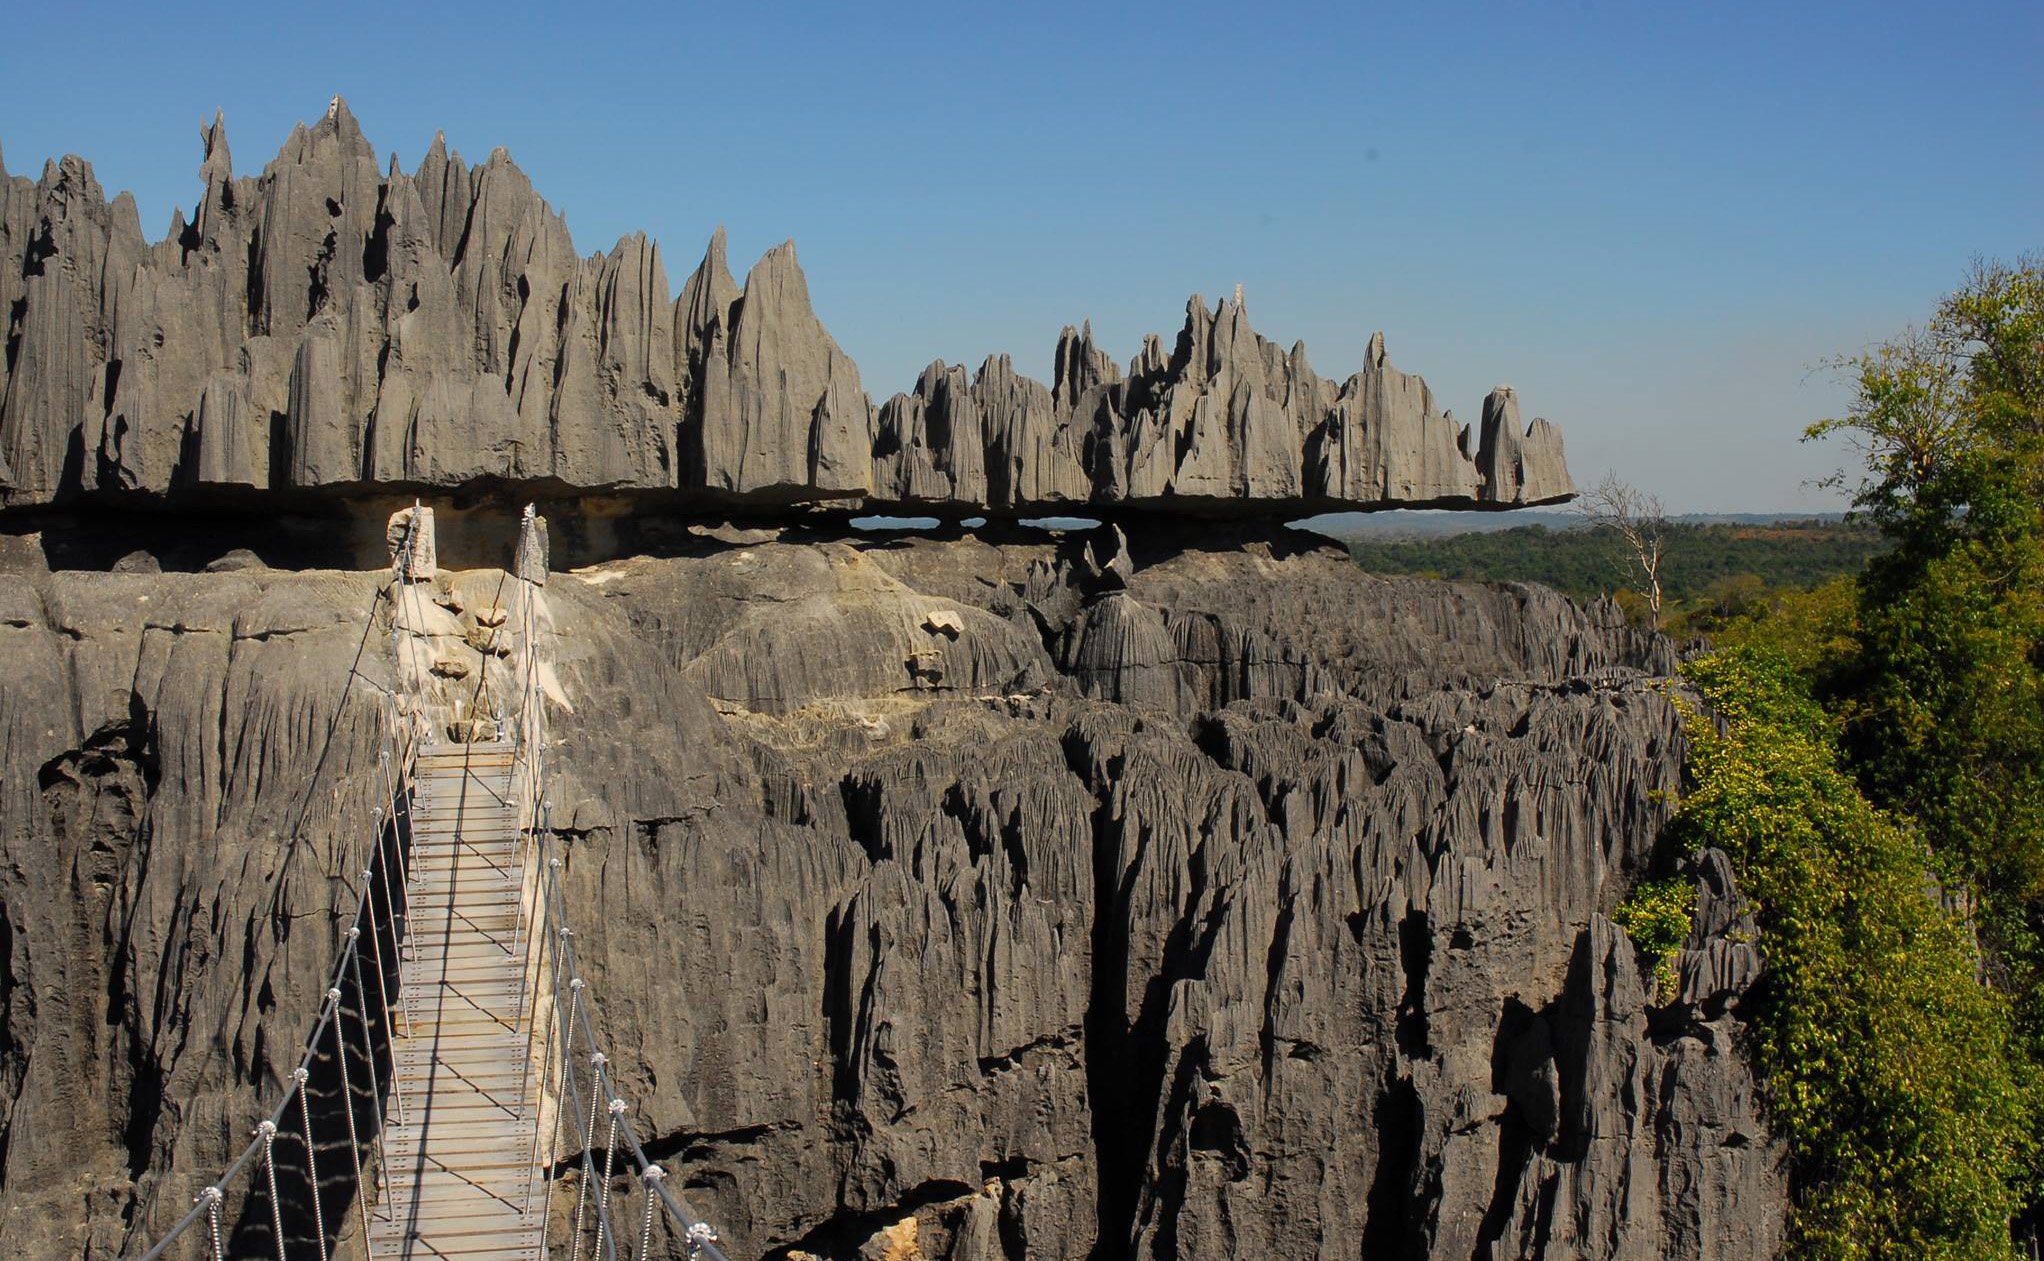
x: 458, y: 1173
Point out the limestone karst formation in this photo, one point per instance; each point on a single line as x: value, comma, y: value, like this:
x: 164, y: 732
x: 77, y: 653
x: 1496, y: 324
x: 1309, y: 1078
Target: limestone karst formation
x: 335, y: 325
x: 941, y: 898
x: 1169, y: 891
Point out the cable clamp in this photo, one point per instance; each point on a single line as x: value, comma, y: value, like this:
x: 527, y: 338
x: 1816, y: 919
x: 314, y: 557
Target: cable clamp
x: 701, y: 1235
x: 211, y: 1195
x: 599, y: 1059
x: 299, y: 1074
x: 653, y: 1173
x: 268, y: 1130
x: 617, y: 1107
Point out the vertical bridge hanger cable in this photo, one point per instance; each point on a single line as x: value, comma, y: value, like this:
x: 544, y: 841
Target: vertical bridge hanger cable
x: 584, y: 1069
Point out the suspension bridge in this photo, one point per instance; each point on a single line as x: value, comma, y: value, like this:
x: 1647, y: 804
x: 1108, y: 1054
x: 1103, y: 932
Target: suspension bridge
x: 453, y: 1100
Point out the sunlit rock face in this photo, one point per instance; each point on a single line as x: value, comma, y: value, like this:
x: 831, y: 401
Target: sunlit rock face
x: 1178, y: 891
x: 966, y: 897
x: 338, y: 327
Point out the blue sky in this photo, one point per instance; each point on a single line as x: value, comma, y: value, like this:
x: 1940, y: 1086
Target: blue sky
x: 1654, y: 221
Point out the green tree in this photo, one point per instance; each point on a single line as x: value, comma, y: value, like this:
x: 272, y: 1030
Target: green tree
x: 1816, y: 631
x: 1943, y: 700
x: 1891, y: 1071
x: 1883, y: 1027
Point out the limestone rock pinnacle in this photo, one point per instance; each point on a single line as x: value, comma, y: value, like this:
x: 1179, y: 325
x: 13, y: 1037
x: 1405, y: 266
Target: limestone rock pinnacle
x: 335, y: 325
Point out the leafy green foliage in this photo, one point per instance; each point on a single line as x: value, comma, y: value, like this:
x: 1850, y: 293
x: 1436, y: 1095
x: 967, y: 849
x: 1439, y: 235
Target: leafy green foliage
x: 1816, y: 631
x: 1657, y: 915
x: 1944, y: 706
x: 1891, y: 1071
x: 1945, y: 703
x: 1877, y: 741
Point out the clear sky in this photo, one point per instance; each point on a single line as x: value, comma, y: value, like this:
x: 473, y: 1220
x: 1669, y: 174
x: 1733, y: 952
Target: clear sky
x: 1652, y: 219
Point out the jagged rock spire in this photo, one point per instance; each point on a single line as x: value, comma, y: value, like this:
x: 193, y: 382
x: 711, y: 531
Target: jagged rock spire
x: 440, y: 328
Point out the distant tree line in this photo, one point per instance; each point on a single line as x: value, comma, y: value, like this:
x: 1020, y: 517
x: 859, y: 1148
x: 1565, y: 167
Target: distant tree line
x: 1709, y: 573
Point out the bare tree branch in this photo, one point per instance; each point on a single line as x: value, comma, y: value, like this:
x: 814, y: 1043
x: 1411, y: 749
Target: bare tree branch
x: 1640, y: 521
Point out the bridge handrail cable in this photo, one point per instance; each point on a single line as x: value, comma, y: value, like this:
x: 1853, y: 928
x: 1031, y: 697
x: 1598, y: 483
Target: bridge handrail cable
x: 566, y: 1011
x: 569, y: 1006
x: 207, y: 1204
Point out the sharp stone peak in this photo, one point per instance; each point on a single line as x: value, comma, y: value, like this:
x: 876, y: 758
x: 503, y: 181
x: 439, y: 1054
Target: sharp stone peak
x: 213, y: 136
x: 500, y: 201
x: 337, y: 123
x: 780, y: 266
x: 715, y: 254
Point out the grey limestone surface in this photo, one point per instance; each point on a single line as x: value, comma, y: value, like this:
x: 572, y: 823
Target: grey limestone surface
x: 953, y: 897
x: 1171, y: 889
x: 336, y: 327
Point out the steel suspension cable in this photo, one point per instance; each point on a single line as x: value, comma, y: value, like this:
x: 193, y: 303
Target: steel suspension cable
x: 267, y: 1132
x: 526, y: 932
x: 652, y: 1174
x: 301, y: 1076
x: 382, y: 991
x: 211, y: 1198
x: 534, y: 1018
x: 702, y: 1238
x: 546, y: 1051
x: 348, y: 1110
x: 404, y: 878
x: 617, y: 1108
x: 588, y: 1138
x: 368, y: 1049
x: 561, y: 1088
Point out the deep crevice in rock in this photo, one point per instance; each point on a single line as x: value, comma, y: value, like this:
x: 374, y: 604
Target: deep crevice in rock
x: 1388, y: 1231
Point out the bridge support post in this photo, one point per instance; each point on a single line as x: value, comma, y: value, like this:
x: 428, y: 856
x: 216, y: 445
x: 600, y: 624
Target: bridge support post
x: 412, y: 550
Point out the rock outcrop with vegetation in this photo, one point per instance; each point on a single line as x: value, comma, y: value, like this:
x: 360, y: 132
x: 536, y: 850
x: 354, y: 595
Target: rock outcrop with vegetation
x: 1175, y: 891
x: 968, y: 897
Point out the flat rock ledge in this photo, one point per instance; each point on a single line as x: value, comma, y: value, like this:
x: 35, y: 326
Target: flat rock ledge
x: 335, y: 327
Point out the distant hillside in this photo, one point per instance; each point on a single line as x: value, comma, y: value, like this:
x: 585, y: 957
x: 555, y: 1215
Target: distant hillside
x: 1721, y: 566
x: 1414, y: 524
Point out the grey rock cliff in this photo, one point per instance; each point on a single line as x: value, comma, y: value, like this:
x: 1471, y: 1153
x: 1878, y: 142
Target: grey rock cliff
x: 940, y: 898
x: 332, y: 326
